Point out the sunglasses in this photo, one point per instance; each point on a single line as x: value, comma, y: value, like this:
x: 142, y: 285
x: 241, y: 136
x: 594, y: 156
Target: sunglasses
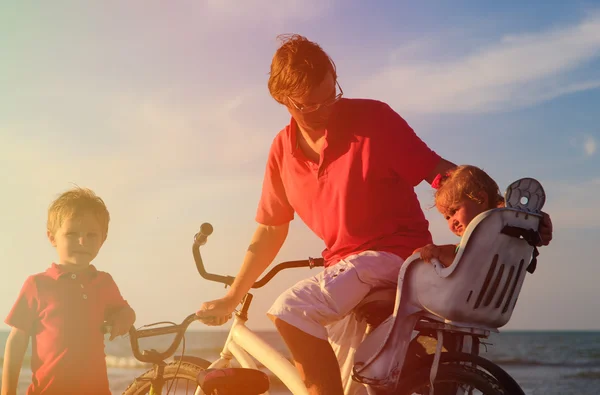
x: 315, y: 107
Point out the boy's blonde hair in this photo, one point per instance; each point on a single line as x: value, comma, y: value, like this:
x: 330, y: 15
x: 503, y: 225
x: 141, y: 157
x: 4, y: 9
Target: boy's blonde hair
x: 75, y: 202
x: 467, y: 182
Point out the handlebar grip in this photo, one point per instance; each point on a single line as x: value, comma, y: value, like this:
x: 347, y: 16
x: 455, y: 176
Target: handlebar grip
x: 206, y: 230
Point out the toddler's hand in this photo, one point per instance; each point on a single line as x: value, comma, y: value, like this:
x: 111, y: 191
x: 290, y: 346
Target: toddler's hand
x: 428, y: 252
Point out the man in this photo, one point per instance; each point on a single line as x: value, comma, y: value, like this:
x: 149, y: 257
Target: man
x: 348, y: 168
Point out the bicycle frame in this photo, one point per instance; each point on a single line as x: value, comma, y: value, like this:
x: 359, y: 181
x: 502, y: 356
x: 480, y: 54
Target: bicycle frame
x: 243, y: 344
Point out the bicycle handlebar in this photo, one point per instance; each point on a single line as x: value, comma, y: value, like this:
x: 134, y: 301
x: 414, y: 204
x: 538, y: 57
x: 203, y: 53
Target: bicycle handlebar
x: 153, y: 356
x: 200, y: 239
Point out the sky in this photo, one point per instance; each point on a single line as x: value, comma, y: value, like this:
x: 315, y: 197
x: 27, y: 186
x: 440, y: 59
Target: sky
x: 163, y: 110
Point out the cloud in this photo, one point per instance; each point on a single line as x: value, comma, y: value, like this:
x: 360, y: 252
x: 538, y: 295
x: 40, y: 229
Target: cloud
x: 589, y: 146
x: 138, y: 151
x: 516, y: 71
x: 585, y: 143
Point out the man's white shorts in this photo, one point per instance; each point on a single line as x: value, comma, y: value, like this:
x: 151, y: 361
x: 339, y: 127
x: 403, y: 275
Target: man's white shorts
x: 322, y: 305
x: 326, y: 298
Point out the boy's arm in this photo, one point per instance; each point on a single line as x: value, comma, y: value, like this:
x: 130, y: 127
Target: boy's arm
x: 119, y: 314
x: 16, y: 345
x: 121, y: 320
x: 21, y: 318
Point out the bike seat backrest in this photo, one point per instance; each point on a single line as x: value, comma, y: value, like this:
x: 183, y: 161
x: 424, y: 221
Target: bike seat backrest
x: 376, y: 306
x: 483, y: 283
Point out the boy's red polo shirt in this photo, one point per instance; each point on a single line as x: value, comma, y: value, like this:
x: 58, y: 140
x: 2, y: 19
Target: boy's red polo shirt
x: 64, y: 313
x: 361, y: 195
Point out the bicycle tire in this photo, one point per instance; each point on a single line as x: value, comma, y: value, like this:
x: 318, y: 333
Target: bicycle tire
x: 174, y: 370
x: 458, y: 374
x: 508, y: 383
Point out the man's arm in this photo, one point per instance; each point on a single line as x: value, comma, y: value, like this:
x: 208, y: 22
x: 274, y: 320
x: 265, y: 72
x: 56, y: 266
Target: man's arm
x: 441, y: 168
x: 545, y: 230
x: 16, y: 345
x: 265, y: 245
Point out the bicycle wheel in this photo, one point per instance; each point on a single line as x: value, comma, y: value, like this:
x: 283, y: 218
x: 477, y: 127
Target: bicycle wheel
x: 509, y: 385
x: 451, y: 379
x: 180, y: 378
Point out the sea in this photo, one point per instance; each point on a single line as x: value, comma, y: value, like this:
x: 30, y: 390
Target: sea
x: 542, y: 362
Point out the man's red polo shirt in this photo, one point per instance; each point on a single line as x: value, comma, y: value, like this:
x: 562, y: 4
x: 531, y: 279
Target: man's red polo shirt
x: 361, y: 195
x: 64, y: 313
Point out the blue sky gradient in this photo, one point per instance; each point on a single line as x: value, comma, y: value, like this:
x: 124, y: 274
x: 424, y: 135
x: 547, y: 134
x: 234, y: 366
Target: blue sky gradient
x: 163, y: 110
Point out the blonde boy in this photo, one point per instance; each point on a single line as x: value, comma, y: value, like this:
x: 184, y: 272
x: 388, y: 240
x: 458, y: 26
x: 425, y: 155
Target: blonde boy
x: 63, y: 308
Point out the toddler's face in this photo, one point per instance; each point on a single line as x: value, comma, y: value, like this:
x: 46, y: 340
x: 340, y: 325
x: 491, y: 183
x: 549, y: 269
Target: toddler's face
x: 78, y: 240
x: 459, y: 215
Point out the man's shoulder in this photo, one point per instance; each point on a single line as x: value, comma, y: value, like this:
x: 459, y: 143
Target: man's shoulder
x: 363, y: 106
x: 372, y: 118
x: 281, y: 140
x: 282, y: 135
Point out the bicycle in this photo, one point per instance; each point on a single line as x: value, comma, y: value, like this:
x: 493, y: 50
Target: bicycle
x: 241, y: 342
x: 447, y: 372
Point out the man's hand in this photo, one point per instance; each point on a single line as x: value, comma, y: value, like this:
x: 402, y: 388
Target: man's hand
x: 545, y: 230
x: 216, y: 312
x: 442, y: 167
x: 121, y: 321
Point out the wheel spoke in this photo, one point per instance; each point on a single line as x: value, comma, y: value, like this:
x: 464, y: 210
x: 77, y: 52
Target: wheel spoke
x: 179, y: 378
x: 452, y: 379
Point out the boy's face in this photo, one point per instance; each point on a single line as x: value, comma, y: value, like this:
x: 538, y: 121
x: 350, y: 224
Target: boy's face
x: 461, y: 214
x: 78, y: 240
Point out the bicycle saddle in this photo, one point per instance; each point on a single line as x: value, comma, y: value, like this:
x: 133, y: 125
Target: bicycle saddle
x: 376, y: 306
x: 233, y: 381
